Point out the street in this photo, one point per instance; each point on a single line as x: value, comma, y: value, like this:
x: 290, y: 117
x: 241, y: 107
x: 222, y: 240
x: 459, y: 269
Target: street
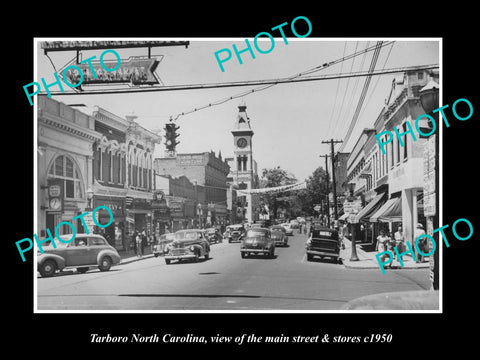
x: 224, y: 282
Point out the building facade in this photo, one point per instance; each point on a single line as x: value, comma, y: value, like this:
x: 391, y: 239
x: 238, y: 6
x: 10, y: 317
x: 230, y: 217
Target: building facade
x: 122, y: 177
x: 208, y: 173
x: 64, y: 165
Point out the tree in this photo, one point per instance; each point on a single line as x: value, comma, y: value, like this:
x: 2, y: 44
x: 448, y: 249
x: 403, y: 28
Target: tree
x: 272, y: 178
x: 316, y: 190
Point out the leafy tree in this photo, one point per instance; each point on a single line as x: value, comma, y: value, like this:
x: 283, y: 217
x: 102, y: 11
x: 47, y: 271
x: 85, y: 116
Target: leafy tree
x: 316, y: 189
x: 272, y: 178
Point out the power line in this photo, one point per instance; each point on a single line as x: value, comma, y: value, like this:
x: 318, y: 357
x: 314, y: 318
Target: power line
x: 336, y: 92
x: 363, y: 94
x: 266, y: 84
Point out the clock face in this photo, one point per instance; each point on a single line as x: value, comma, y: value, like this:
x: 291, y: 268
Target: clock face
x: 242, y: 142
x: 55, y: 203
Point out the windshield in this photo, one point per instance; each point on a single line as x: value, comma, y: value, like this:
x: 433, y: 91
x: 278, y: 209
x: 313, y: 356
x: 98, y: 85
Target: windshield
x: 187, y: 235
x: 256, y: 232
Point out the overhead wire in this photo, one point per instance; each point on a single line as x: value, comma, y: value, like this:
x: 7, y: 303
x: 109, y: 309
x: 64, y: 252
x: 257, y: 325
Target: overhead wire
x: 344, y: 94
x: 353, y: 92
x: 336, y: 91
x: 265, y: 84
x: 362, y: 96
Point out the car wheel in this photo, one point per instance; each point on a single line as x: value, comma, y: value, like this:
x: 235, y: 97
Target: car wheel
x: 309, y: 257
x: 48, y: 268
x: 229, y: 241
x: 243, y: 255
x: 167, y: 261
x: 157, y: 254
x: 105, y: 263
x: 82, y: 270
x: 272, y: 255
x: 207, y: 255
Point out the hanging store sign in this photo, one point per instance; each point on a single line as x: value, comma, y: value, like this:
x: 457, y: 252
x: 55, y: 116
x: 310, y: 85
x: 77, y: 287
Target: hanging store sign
x: 134, y: 71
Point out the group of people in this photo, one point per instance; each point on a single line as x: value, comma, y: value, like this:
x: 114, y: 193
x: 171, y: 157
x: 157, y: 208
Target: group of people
x: 387, y: 241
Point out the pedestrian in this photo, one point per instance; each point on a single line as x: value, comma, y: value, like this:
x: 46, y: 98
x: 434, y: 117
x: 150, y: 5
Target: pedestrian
x: 138, y: 241
x: 400, y: 240
x: 382, y: 244
x: 421, y: 243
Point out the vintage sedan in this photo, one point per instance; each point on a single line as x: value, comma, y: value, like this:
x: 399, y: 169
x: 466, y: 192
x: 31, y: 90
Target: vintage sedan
x: 288, y: 229
x: 279, y: 235
x: 213, y: 235
x: 162, y: 242
x: 188, y: 244
x: 323, y: 242
x: 83, y: 252
x: 257, y: 241
x: 235, y: 232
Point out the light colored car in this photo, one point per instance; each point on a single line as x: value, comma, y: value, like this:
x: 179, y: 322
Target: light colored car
x: 288, y: 229
x: 83, y: 252
x: 189, y: 244
x: 279, y: 235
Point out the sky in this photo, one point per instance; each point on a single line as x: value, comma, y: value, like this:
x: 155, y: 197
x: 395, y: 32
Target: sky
x: 289, y: 121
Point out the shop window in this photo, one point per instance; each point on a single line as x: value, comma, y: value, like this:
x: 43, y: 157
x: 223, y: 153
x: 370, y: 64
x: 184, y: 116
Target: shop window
x: 64, y: 168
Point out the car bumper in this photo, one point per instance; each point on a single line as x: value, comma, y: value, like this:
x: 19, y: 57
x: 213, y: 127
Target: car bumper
x: 280, y: 242
x: 179, y: 257
x: 322, y: 253
x: 257, y: 251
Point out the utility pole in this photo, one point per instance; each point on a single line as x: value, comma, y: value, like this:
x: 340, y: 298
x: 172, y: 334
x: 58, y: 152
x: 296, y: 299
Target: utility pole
x: 328, y: 181
x: 332, y: 156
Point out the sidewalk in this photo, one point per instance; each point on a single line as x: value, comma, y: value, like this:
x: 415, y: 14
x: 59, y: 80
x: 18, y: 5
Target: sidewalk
x: 367, y: 259
x: 130, y: 256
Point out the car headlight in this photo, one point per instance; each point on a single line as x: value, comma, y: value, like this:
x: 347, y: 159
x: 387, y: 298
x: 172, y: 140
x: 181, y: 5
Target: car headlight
x: 192, y: 248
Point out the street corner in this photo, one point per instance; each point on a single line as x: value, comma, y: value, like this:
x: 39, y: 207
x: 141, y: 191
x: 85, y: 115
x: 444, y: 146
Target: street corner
x: 401, y: 300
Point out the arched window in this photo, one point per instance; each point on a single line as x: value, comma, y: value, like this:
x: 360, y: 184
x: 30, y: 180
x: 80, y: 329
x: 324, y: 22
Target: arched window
x: 64, y: 168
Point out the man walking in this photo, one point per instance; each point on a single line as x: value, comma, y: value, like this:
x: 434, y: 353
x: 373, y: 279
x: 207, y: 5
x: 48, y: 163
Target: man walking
x: 418, y: 232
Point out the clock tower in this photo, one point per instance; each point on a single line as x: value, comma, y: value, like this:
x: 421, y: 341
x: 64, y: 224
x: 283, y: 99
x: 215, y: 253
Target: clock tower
x: 243, y: 168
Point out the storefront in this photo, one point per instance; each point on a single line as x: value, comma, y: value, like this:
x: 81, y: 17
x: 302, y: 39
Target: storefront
x: 139, y: 213
x: 115, y: 232
x: 160, y: 214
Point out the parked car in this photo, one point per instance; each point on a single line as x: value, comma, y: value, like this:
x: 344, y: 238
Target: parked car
x: 235, y: 232
x: 257, y: 241
x: 188, y: 244
x: 323, y: 242
x: 162, y: 242
x: 83, y: 252
x: 213, y: 235
x: 294, y: 224
x: 279, y: 235
x: 288, y: 229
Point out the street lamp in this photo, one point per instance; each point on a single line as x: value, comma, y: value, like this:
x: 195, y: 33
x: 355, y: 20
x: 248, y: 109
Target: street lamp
x: 353, y: 256
x: 429, y: 99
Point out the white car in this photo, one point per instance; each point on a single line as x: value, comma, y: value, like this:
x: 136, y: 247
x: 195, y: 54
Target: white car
x: 288, y: 228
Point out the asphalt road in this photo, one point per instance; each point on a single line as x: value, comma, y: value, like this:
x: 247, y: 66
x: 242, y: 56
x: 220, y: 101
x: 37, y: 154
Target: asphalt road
x: 224, y: 282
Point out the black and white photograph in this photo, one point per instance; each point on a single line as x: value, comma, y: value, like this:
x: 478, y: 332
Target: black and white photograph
x: 273, y: 174
x: 216, y: 181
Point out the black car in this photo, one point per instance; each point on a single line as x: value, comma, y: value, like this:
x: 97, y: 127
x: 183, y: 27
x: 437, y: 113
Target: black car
x: 323, y: 242
x: 213, y: 235
x: 235, y: 232
x: 257, y: 241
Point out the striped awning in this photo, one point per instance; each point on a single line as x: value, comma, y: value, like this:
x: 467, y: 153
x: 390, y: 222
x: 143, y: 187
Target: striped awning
x: 391, y: 211
x: 371, y: 208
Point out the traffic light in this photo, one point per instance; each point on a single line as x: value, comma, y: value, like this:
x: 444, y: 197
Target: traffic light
x: 171, y: 136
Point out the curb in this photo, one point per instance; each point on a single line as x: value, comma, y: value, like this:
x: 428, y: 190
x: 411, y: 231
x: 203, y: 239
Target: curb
x: 134, y: 259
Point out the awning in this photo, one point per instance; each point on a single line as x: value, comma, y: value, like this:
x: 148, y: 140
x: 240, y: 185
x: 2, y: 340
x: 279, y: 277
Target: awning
x: 371, y: 208
x: 343, y: 217
x: 391, y: 211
